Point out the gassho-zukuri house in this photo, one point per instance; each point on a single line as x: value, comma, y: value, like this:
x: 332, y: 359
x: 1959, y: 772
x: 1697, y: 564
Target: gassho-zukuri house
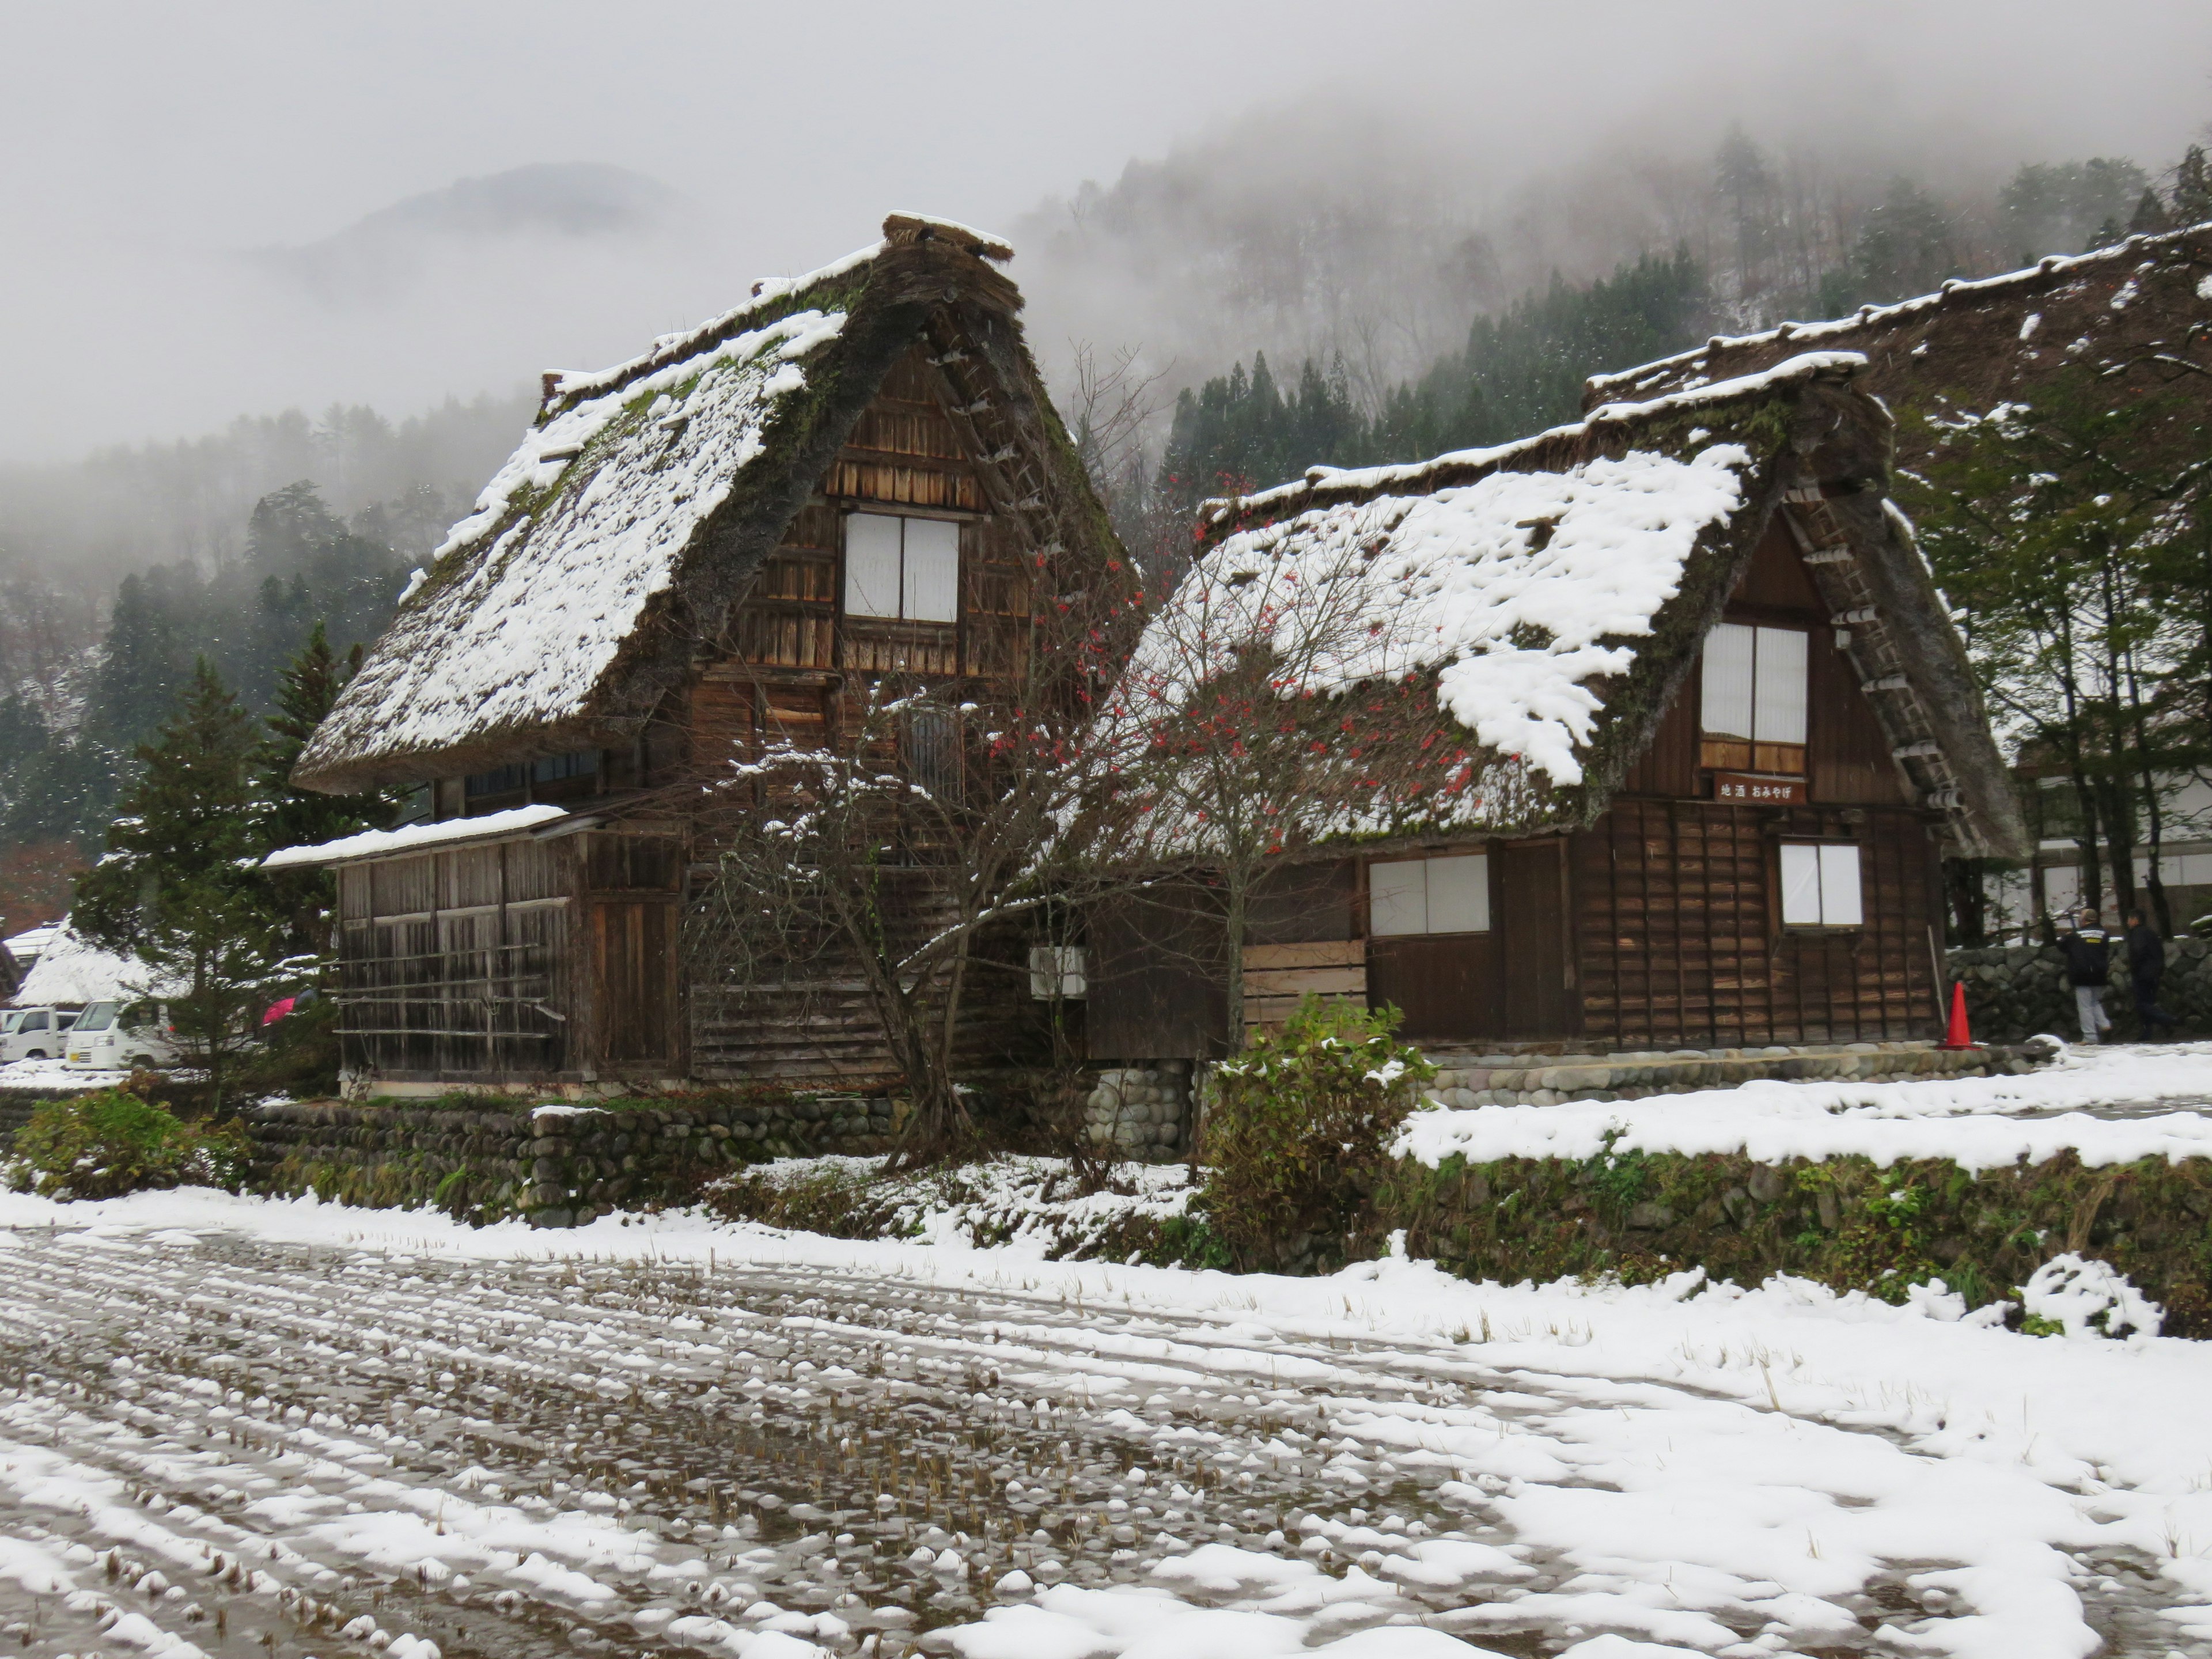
x: 2116, y: 323
x: 1683, y: 730
x: 718, y: 545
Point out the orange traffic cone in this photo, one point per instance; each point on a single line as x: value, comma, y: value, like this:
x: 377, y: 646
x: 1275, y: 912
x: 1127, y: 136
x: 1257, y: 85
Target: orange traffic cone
x: 1959, y: 1036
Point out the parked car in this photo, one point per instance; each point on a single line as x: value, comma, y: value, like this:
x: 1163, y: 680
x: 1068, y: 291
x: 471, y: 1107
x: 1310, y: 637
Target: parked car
x: 104, y: 1040
x: 36, y: 1034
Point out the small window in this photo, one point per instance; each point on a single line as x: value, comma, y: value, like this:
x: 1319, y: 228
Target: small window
x: 35, y: 1020
x: 1429, y: 896
x: 499, y: 781
x: 98, y: 1017
x: 903, y: 569
x: 1753, y: 698
x: 578, y: 763
x: 1820, y: 885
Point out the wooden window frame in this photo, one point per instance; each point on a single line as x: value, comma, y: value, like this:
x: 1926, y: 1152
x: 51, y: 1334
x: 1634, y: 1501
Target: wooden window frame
x: 1802, y: 929
x: 1728, y: 753
x: 959, y: 520
x: 1366, y: 895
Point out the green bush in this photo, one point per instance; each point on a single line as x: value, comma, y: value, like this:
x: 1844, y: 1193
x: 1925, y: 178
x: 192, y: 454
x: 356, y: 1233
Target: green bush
x: 1296, y: 1137
x: 105, y: 1144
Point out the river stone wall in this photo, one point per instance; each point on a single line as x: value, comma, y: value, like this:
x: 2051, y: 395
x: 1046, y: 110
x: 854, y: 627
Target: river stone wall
x: 2016, y: 991
x: 554, y: 1166
x: 1144, y: 1109
x: 1508, y: 1080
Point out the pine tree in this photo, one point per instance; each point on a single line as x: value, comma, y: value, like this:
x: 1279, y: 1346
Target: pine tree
x: 2192, y: 188
x: 180, y: 888
x: 286, y: 816
x: 2150, y: 216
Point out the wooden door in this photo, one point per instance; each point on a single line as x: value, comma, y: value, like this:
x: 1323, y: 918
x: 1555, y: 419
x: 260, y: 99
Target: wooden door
x: 1530, y: 899
x: 634, y: 964
x: 1445, y: 984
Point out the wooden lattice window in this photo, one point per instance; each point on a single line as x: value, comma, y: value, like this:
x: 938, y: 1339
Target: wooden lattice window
x: 901, y: 568
x: 1753, y: 699
x: 1429, y: 896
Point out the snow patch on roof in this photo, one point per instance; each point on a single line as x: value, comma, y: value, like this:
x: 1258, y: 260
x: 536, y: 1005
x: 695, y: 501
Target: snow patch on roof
x: 616, y: 486
x: 26, y: 946
x: 1518, y: 589
x: 72, y: 968
x: 383, y: 844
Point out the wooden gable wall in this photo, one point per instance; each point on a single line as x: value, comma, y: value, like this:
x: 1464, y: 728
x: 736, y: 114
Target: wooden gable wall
x: 792, y: 666
x: 1847, y: 752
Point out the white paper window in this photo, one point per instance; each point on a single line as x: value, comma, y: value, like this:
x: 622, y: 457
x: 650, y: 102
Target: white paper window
x: 903, y: 569
x: 871, y: 565
x: 932, y: 570
x: 1821, y: 886
x: 1429, y: 896
x: 1728, y: 685
x: 1754, y: 681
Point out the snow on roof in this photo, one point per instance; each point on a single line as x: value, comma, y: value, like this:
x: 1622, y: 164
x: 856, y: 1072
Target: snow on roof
x: 414, y: 837
x: 599, y: 504
x: 73, y: 970
x: 1517, y: 588
x: 26, y: 946
x: 536, y: 623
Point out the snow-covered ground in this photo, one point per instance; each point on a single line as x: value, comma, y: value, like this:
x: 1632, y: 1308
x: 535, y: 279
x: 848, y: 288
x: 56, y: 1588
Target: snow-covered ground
x: 337, y: 1429
x: 2111, y: 1105
x: 52, y: 1074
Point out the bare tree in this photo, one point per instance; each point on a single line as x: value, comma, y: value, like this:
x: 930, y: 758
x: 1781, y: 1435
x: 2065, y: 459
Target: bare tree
x: 879, y: 875
x: 1275, y: 703
x: 1113, y: 412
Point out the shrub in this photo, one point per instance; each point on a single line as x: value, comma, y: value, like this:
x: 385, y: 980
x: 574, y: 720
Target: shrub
x: 105, y: 1144
x: 1296, y: 1137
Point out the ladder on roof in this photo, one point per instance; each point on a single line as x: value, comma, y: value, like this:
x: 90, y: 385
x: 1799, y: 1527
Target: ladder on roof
x: 1873, y: 647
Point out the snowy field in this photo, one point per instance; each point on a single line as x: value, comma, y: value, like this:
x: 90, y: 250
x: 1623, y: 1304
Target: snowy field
x: 243, y: 1428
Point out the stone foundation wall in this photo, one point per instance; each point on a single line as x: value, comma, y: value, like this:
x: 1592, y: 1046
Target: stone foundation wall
x: 556, y: 1166
x: 2016, y: 991
x: 1506, y: 1080
x: 1144, y: 1109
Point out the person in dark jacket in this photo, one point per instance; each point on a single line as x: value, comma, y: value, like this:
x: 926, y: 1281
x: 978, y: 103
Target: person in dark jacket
x: 2088, y: 953
x: 2146, y: 967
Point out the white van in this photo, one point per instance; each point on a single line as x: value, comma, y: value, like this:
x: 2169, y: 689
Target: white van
x: 36, y: 1034
x: 102, y: 1040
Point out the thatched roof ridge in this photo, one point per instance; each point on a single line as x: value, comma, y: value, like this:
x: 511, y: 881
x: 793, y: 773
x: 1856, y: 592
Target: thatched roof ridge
x: 641, y: 500
x: 1969, y: 334
x: 1580, y: 570
x: 1603, y: 427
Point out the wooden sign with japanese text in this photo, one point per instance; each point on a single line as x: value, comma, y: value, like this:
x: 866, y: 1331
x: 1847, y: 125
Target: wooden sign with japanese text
x: 1749, y: 788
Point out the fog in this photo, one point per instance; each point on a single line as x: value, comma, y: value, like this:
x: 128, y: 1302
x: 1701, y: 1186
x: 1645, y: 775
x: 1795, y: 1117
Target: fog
x: 234, y: 210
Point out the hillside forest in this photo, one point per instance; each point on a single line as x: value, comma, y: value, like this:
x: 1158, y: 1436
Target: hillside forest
x: 123, y: 577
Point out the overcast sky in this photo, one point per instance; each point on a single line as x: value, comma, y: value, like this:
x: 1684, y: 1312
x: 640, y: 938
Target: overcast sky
x: 151, y: 156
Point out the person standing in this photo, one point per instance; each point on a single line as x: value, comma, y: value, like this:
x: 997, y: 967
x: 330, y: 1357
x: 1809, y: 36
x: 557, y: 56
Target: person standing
x: 2146, y: 968
x: 2088, y: 953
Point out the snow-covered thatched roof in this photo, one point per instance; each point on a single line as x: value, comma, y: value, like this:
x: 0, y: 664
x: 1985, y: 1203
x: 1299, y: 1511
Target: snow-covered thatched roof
x: 1550, y: 596
x: 71, y: 969
x: 614, y: 540
x: 1985, y: 341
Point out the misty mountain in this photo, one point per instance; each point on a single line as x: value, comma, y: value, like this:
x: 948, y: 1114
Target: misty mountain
x: 388, y: 250
x: 1371, y: 240
x: 81, y: 526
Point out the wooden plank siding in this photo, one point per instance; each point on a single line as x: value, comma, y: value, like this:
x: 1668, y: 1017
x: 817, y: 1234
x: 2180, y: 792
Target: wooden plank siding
x: 1680, y: 943
x: 1277, y: 976
x: 457, y: 962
